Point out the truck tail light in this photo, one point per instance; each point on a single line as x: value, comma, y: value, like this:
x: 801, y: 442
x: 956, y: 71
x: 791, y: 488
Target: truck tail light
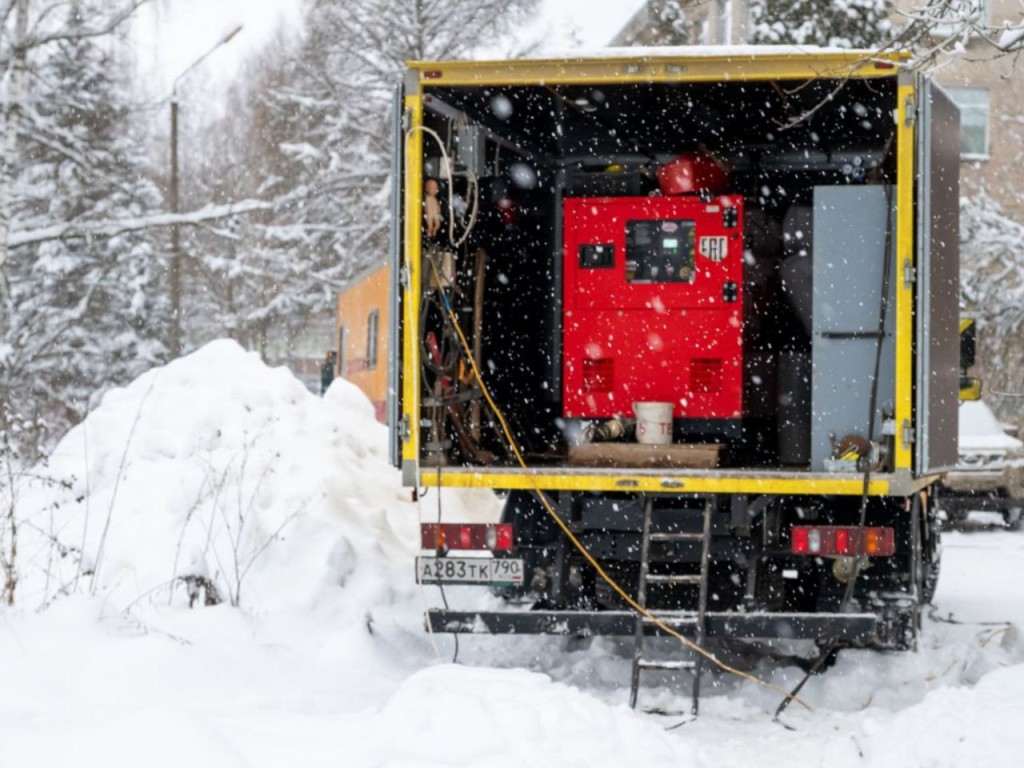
x: 842, y: 540
x: 495, y: 537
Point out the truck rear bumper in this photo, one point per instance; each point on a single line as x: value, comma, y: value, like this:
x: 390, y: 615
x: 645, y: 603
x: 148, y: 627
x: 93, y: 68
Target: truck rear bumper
x: 848, y: 628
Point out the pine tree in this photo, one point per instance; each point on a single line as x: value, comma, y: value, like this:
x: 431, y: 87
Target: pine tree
x: 83, y: 313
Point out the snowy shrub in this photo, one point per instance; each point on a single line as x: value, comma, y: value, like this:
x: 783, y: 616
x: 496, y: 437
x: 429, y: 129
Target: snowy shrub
x: 992, y: 286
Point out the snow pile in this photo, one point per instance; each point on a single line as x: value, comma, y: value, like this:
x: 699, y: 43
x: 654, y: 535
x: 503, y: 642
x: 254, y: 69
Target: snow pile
x: 979, y: 430
x: 216, y: 474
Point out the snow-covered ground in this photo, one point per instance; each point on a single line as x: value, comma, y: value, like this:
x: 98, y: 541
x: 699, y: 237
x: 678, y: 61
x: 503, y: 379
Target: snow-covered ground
x: 218, y: 468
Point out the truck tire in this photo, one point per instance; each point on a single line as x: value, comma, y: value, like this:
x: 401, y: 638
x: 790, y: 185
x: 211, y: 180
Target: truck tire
x: 931, y: 550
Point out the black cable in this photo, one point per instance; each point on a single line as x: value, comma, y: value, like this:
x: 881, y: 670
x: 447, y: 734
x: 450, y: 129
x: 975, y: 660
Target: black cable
x: 873, y: 401
x: 440, y: 584
x: 933, y: 615
x: 883, y: 310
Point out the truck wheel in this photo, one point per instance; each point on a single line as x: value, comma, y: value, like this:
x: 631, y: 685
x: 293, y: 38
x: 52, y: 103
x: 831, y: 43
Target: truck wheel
x: 1012, y: 518
x: 931, y: 550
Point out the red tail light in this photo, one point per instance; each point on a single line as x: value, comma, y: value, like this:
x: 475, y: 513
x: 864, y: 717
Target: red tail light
x: 800, y: 543
x: 842, y: 540
x: 495, y: 537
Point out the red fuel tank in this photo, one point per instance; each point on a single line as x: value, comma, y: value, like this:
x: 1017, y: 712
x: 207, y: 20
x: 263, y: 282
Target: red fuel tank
x: 653, y: 306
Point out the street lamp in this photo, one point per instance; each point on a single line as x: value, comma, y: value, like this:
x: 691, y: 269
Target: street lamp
x: 175, y: 276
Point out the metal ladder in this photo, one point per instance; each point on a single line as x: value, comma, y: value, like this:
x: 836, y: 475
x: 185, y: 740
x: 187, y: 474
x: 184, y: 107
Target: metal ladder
x: 673, y: 619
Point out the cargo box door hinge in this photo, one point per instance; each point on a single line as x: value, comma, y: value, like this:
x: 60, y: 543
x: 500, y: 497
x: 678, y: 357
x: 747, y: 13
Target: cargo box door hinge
x: 909, y: 273
x: 909, y: 436
x: 404, y: 429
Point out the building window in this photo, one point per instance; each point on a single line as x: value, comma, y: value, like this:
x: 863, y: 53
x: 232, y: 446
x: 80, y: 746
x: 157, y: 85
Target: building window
x: 372, y: 323
x: 973, y: 103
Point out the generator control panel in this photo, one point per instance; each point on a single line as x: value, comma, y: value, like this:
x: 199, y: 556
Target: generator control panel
x: 653, y: 306
x: 660, y: 251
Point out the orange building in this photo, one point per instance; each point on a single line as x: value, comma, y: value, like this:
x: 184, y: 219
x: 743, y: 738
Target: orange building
x: 362, y: 336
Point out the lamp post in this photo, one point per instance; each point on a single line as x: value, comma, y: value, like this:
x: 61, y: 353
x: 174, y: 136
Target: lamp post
x: 175, y: 272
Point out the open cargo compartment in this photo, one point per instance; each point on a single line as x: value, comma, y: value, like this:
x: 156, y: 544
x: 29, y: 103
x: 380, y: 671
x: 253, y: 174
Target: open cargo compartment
x: 747, y: 301
x: 735, y: 241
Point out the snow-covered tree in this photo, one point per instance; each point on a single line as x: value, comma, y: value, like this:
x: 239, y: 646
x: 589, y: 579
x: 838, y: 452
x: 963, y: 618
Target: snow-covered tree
x: 671, y: 25
x: 938, y: 31
x: 660, y: 22
x: 81, y: 313
x: 26, y: 26
x: 992, y: 285
x: 315, y: 138
x: 842, y: 23
x: 934, y: 30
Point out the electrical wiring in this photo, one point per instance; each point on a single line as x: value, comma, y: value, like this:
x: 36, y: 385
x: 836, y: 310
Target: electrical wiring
x: 513, y: 445
x: 430, y: 624
x: 473, y: 185
x: 591, y: 560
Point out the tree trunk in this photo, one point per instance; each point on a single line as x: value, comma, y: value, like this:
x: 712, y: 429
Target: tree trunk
x: 10, y: 122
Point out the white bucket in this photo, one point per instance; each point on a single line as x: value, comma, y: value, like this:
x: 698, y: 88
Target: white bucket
x: 653, y: 423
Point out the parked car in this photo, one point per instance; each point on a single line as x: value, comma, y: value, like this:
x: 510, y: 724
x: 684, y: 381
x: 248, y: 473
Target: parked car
x: 989, y: 474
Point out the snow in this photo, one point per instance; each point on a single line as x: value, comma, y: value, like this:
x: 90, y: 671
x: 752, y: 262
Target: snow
x: 704, y: 51
x: 979, y: 430
x: 1011, y: 38
x: 325, y: 660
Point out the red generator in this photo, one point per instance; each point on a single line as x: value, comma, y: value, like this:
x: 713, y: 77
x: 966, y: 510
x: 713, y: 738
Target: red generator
x: 653, y: 308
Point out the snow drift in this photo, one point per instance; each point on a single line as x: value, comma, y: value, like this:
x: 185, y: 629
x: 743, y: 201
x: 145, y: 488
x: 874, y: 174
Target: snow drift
x: 979, y: 430
x: 216, y: 477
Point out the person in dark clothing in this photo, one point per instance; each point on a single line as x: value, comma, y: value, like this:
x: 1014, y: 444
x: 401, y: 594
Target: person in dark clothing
x: 327, y: 370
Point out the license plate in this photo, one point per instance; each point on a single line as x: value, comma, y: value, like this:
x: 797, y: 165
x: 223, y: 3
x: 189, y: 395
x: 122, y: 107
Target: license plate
x: 469, y: 570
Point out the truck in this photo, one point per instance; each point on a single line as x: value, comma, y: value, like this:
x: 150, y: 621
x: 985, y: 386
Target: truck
x: 693, y: 312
